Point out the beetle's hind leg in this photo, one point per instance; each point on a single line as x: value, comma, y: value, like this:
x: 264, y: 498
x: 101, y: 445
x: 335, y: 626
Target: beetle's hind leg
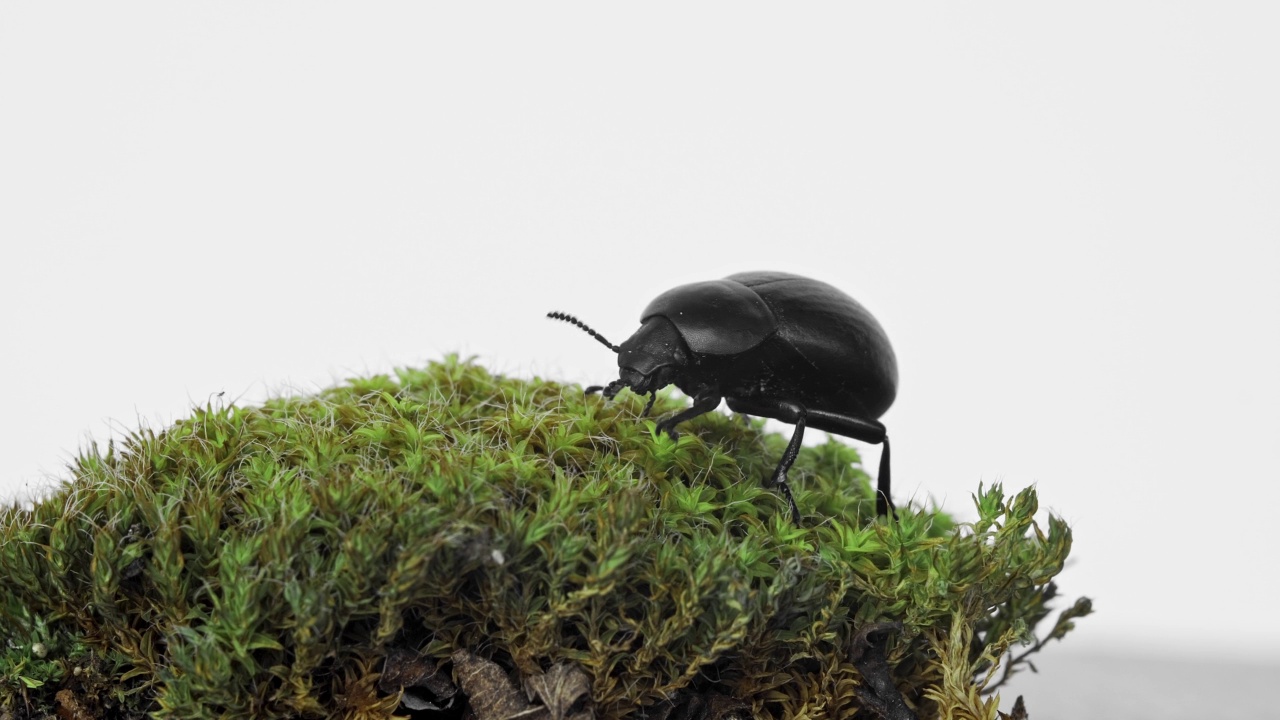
x: 788, y: 458
x: 884, y: 501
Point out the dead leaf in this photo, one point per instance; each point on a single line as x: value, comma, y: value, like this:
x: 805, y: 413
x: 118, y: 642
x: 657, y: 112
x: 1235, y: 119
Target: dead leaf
x: 424, y: 686
x: 69, y: 707
x: 565, y: 691
x: 490, y: 693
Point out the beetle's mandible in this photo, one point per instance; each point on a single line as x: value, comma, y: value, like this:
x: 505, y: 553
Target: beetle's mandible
x: 774, y: 345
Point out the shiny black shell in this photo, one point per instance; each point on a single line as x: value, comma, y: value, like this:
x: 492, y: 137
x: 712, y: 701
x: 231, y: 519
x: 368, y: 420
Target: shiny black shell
x: 780, y: 337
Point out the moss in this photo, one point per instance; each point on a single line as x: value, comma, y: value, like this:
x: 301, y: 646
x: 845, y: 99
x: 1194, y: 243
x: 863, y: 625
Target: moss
x: 266, y: 561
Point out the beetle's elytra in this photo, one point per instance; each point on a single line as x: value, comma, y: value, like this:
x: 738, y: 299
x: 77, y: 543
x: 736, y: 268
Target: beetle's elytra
x: 774, y: 345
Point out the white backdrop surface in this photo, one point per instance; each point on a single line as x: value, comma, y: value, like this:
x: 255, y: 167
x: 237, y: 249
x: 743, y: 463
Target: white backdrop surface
x: 1065, y: 217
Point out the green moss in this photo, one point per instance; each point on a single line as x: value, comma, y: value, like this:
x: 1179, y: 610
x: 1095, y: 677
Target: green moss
x: 264, y: 561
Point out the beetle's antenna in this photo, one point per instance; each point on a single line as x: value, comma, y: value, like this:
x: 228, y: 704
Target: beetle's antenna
x: 575, y: 321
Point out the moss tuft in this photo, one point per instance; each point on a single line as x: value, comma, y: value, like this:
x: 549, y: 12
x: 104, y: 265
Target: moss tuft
x: 268, y: 561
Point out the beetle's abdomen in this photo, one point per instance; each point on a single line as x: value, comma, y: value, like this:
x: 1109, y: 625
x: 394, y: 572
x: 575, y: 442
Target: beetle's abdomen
x: 843, y: 360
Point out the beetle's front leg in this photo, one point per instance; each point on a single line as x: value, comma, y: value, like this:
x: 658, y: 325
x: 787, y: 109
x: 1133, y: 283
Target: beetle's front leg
x: 702, y: 404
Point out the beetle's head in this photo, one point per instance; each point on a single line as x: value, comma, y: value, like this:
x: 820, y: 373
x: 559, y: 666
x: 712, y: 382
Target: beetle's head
x: 651, y: 358
x: 648, y: 361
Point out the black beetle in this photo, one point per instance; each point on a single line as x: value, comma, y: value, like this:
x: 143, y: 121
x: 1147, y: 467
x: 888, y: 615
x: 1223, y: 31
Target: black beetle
x: 774, y: 345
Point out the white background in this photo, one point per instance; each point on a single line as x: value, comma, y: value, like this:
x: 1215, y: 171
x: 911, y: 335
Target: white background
x: 1066, y: 218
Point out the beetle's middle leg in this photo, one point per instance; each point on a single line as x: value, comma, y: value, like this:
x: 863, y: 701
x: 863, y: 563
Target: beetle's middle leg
x: 788, y: 458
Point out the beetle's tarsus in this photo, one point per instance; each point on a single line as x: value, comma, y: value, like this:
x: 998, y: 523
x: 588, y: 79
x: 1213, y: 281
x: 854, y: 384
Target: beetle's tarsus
x: 592, y: 389
x: 786, y: 491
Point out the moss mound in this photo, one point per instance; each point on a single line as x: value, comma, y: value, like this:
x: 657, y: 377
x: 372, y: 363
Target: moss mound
x: 382, y: 547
